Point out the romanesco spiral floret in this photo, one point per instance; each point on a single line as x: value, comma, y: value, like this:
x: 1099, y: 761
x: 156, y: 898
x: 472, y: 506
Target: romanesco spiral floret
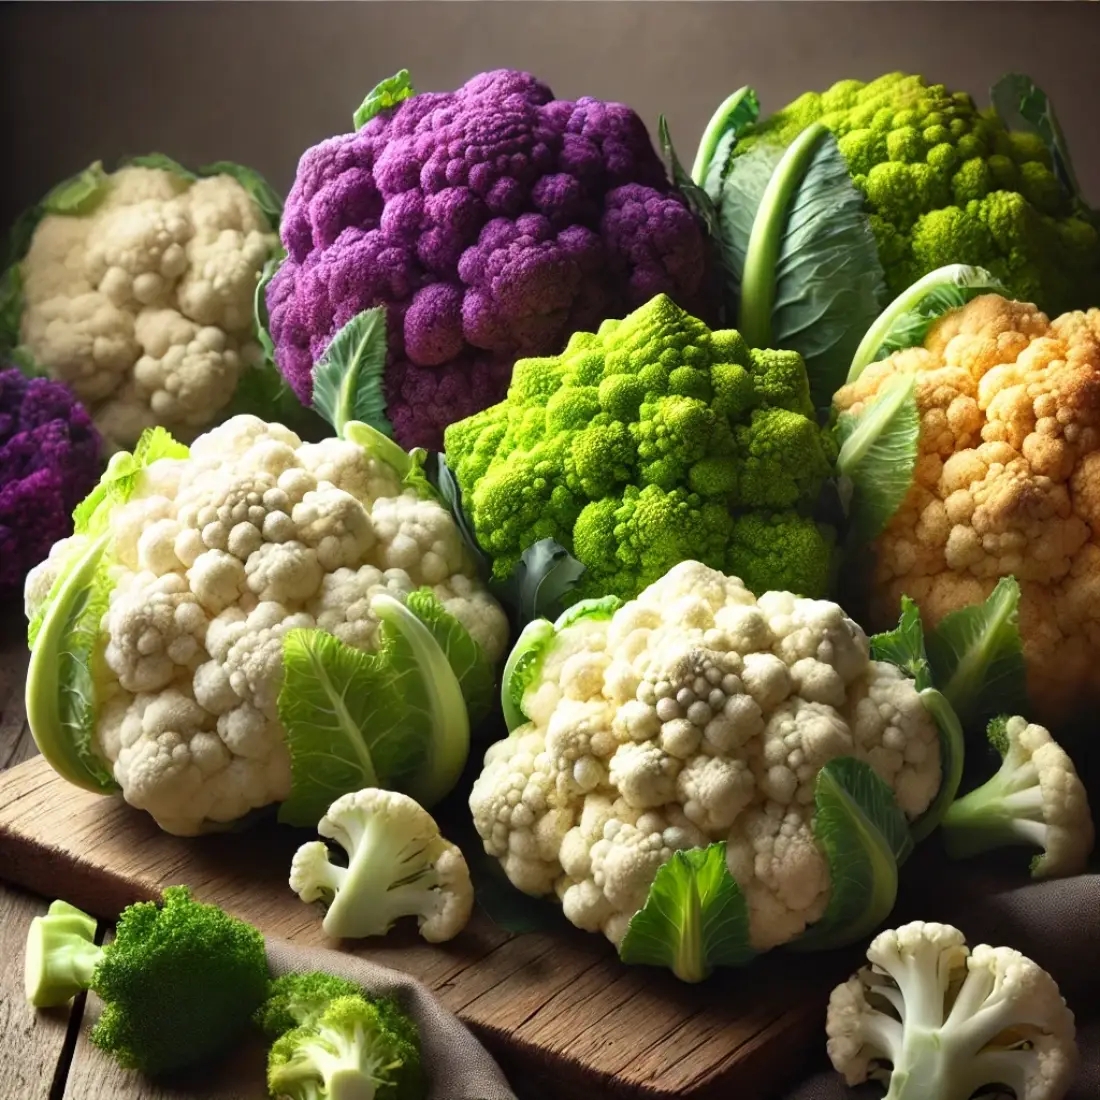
x: 948, y: 183
x: 650, y: 442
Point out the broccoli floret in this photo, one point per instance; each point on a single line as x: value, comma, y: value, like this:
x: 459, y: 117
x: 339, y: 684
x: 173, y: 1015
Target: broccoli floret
x: 947, y: 183
x: 179, y: 982
x: 646, y: 444
x: 1035, y: 799
x: 333, y: 1042
x: 298, y: 1000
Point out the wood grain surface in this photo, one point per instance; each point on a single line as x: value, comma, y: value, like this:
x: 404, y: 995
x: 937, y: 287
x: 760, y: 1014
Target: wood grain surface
x: 560, y: 1012
x: 34, y: 1042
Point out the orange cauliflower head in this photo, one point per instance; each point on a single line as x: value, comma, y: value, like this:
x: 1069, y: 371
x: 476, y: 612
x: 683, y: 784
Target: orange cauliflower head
x: 1007, y: 482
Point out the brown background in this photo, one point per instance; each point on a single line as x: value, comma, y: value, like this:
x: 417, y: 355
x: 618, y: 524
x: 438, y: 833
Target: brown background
x: 259, y: 82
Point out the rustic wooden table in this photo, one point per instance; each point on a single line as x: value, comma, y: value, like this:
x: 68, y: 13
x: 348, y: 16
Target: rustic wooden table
x: 47, y: 1055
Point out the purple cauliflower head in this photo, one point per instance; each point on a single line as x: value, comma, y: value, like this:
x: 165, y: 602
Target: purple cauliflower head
x: 49, y: 461
x: 491, y: 222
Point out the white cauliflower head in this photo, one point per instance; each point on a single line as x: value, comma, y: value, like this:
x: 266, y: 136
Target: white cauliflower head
x: 143, y: 304
x: 214, y: 559
x: 694, y: 713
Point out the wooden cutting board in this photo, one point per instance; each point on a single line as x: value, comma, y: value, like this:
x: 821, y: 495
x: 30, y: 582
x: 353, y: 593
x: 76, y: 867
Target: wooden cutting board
x: 561, y: 1014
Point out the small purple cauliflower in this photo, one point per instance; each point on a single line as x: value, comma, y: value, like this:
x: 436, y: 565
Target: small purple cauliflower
x: 492, y: 222
x: 49, y: 461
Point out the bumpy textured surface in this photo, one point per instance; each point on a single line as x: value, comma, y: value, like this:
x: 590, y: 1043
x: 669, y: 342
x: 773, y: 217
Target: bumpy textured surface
x: 49, y: 460
x: 696, y: 713
x: 179, y: 983
x: 647, y: 443
x: 492, y: 221
x: 948, y: 184
x: 144, y: 305
x: 1007, y: 482
x: 216, y: 557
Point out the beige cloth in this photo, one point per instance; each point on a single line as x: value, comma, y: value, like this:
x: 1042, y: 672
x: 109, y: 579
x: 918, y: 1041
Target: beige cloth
x: 457, y: 1066
x: 1055, y: 923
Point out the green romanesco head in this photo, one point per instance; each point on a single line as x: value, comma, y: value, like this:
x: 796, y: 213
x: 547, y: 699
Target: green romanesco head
x: 647, y: 443
x: 947, y: 183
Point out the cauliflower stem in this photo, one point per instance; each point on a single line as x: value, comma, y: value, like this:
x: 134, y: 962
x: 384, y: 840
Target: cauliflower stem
x: 1035, y: 800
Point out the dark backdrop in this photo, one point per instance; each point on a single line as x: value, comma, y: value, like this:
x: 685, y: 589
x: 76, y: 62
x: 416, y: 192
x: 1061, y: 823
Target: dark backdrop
x: 260, y: 82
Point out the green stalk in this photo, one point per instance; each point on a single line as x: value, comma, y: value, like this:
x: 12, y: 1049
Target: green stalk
x: 61, y: 956
x: 51, y: 699
x: 716, y: 130
x: 449, y: 746
x: 766, y: 238
x: 873, y: 421
x: 952, y: 757
x: 688, y: 963
x: 377, y: 445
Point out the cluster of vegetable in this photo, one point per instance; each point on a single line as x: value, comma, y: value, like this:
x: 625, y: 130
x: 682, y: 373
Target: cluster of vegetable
x: 49, y: 459
x: 135, y: 288
x: 490, y: 222
x: 663, y: 526
x: 182, y: 982
x: 258, y: 620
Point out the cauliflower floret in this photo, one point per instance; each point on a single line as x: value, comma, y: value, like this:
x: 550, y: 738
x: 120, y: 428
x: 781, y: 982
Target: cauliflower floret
x: 624, y: 853
x: 1035, y: 799
x: 781, y: 870
x: 156, y: 629
x: 514, y: 812
x: 896, y: 735
x: 398, y: 866
x: 171, y: 763
x: 929, y: 1010
x: 144, y: 303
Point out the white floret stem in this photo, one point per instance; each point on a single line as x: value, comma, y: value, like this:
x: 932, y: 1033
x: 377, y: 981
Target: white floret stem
x: 1000, y: 813
x: 923, y: 984
x: 332, y: 876
x: 347, y: 1063
x: 972, y: 1032
x: 387, y: 877
x: 1026, y: 805
x: 882, y: 1032
x: 951, y: 1064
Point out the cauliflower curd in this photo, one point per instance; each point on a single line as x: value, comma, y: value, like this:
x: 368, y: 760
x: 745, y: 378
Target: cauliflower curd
x: 1007, y: 481
x: 144, y: 304
x: 213, y: 560
x: 695, y: 713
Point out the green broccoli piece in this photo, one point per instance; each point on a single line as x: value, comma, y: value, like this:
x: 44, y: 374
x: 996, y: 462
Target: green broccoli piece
x: 179, y: 982
x: 644, y: 445
x: 334, y: 1043
x: 947, y: 183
